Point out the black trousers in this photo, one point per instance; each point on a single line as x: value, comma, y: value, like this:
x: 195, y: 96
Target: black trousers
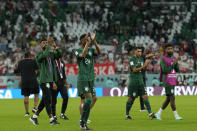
x: 63, y: 91
x: 46, y: 98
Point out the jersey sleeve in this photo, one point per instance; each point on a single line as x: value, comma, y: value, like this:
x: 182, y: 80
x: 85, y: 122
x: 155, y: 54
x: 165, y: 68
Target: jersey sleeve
x: 35, y: 65
x: 132, y: 63
x: 164, y: 67
x: 18, y: 69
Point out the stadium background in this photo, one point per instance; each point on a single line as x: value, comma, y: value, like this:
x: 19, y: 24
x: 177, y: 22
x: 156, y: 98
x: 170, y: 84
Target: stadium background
x: 120, y: 25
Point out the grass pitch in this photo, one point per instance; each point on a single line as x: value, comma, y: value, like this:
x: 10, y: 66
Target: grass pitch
x: 107, y: 115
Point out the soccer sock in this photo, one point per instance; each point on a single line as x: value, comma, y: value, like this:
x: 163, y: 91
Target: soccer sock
x: 128, y: 106
x: 175, y: 113
x: 142, y: 103
x: 146, y: 102
x: 86, y: 110
x: 160, y: 111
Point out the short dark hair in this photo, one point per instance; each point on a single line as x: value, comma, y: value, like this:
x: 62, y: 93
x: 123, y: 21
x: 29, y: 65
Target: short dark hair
x: 138, y: 47
x: 82, y: 36
x: 27, y: 54
x: 168, y: 45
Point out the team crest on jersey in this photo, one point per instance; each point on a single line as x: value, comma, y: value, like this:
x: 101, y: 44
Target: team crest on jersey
x: 142, y: 63
x: 134, y: 94
x: 90, y: 53
x: 131, y: 63
x: 86, y: 88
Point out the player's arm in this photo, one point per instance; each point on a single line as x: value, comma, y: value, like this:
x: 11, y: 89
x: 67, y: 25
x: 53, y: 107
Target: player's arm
x: 18, y: 68
x: 164, y: 67
x: 97, y: 51
x: 43, y: 55
x: 58, y: 53
x: 177, y: 67
x: 65, y: 78
x: 151, y: 55
x: 135, y: 69
x: 85, y: 50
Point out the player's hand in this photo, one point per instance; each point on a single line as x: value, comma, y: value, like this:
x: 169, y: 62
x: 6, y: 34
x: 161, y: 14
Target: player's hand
x: 176, y: 60
x: 54, y: 86
x: 93, y: 35
x: 50, y: 41
x: 67, y: 86
x: 147, y: 62
x: 43, y: 44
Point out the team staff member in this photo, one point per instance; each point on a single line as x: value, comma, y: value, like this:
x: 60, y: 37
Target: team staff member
x: 27, y: 69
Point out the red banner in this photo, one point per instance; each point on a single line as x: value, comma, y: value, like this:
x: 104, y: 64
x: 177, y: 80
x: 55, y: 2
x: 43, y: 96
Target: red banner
x: 99, y: 69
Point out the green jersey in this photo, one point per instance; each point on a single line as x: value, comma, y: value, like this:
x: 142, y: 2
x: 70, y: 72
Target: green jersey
x: 45, y: 61
x: 136, y: 78
x: 86, y: 64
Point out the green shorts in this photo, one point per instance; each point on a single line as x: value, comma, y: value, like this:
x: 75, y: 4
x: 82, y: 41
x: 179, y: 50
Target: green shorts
x: 85, y: 87
x: 169, y: 89
x: 135, y: 91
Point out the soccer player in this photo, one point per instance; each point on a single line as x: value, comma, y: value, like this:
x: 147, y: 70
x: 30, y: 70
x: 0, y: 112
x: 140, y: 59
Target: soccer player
x: 27, y: 69
x: 62, y: 85
x: 136, y: 83
x: 169, y: 67
x: 85, y: 59
x: 48, y: 77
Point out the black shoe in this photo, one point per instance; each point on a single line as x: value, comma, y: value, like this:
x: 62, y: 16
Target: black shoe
x: 85, y: 127
x: 34, y: 110
x: 55, y: 118
x: 26, y: 114
x: 54, y: 122
x: 128, y: 118
x: 34, y: 120
x: 62, y: 116
x: 152, y: 116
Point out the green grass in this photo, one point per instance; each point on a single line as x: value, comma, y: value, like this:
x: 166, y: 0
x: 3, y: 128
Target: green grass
x: 107, y: 115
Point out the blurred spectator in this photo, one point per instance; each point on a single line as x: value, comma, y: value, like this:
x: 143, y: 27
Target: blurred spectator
x: 155, y: 82
x: 10, y: 84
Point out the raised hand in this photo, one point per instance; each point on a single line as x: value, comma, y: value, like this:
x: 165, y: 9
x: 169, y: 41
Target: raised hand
x: 93, y: 36
x: 177, y: 59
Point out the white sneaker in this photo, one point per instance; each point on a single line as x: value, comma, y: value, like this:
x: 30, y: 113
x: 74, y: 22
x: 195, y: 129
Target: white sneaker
x: 158, y: 116
x: 178, y: 118
x: 89, y: 121
x: 26, y: 114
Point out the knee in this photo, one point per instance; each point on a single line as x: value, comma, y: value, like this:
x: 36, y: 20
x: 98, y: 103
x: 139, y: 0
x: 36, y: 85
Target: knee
x: 26, y: 101
x: 131, y: 99
x: 95, y: 99
x: 172, y: 98
x: 168, y: 98
x: 145, y: 97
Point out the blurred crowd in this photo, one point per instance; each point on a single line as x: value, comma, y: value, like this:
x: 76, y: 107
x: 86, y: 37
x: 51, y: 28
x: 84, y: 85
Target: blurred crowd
x: 120, y: 25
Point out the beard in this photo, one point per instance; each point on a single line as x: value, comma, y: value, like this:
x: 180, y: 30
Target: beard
x: 170, y: 53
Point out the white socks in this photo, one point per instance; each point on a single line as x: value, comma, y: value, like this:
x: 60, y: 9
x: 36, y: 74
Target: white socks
x: 160, y: 111
x: 175, y: 114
